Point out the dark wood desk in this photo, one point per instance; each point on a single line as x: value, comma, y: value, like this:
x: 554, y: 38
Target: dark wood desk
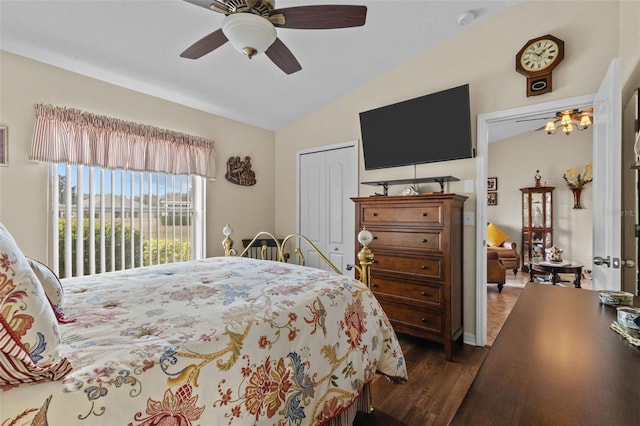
x: 556, y: 362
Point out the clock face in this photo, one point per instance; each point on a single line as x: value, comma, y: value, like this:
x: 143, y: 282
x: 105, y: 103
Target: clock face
x: 539, y: 55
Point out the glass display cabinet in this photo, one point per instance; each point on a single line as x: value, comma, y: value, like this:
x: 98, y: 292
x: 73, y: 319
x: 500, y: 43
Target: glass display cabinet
x: 537, y: 222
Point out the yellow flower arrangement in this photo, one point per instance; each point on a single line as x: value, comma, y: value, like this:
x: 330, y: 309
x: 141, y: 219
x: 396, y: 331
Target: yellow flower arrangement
x: 578, y: 180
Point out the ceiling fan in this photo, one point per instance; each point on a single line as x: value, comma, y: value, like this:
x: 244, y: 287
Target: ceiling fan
x: 250, y: 26
x: 569, y: 121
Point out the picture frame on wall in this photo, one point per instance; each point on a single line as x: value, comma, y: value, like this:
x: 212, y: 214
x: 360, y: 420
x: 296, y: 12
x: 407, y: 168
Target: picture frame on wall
x: 492, y: 184
x: 492, y: 198
x: 4, y: 144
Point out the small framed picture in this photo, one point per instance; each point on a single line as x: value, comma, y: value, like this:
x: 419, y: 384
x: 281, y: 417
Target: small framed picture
x: 492, y: 198
x: 4, y: 142
x: 492, y: 184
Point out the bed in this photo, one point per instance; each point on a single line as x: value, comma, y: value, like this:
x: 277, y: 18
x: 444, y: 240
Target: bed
x: 221, y: 341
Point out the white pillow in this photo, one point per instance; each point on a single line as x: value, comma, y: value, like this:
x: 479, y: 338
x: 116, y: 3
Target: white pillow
x: 52, y: 287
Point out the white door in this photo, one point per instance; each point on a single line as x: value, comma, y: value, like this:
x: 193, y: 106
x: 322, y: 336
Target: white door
x: 311, y: 198
x: 327, y: 179
x: 607, y: 148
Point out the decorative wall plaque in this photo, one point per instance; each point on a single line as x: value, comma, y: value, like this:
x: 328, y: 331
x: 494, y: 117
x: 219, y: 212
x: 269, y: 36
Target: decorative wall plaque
x: 239, y: 171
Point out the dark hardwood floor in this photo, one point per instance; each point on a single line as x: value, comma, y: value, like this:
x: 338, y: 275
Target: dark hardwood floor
x: 434, y: 390
x: 436, y: 387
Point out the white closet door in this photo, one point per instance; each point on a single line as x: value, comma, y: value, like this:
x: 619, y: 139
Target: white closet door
x: 312, y: 199
x: 327, y: 180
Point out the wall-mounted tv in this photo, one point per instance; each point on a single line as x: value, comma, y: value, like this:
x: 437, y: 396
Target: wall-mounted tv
x: 431, y: 128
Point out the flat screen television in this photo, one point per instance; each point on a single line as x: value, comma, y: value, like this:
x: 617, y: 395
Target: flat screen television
x: 431, y: 128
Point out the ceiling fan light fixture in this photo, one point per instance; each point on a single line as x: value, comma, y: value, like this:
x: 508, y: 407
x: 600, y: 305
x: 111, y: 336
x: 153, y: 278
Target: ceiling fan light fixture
x: 567, y: 128
x: 550, y: 127
x: 567, y: 120
x: 585, y: 121
x: 249, y: 33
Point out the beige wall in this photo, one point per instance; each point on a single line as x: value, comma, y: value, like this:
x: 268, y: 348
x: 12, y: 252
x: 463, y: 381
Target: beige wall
x: 514, y: 162
x: 23, y: 185
x: 484, y: 56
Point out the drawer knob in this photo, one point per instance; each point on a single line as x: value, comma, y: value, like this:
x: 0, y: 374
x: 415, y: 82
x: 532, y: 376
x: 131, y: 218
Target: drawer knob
x: 374, y: 285
x: 423, y: 267
x: 424, y: 240
x: 424, y: 320
x: 374, y: 214
x: 424, y: 214
x: 424, y: 293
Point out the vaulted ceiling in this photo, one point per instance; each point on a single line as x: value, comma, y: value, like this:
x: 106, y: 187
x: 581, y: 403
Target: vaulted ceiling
x: 137, y: 43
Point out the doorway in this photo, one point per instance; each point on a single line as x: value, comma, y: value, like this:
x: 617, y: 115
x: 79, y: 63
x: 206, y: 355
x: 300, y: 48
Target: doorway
x: 607, y: 148
x: 487, y: 123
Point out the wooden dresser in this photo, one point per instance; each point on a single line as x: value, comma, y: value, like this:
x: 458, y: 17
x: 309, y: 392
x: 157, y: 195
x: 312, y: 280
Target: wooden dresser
x: 417, y: 270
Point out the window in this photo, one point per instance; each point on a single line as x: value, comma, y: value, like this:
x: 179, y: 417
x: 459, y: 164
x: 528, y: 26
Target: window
x: 105, y: 220
x: 123, y: 194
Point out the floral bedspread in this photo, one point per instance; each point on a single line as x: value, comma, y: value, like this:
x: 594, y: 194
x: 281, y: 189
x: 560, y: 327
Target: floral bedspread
x: 220, y: 341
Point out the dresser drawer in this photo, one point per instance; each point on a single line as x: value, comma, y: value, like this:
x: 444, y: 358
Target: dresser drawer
x: 428, y: 241
x: 430, y: 267
x: 403, y: 214
x: 427, y: 293
x: 406, y: 318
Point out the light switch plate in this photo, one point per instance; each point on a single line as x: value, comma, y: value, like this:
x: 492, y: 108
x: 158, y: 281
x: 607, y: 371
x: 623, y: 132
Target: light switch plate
x: 467, y: 218
x: 468, y: 186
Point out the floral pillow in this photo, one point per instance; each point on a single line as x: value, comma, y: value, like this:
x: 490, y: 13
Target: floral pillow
x: 29, y: 336
x: 52, y: 287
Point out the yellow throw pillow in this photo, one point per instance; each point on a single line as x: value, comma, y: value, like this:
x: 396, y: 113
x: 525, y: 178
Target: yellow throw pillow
x: 495, y: 236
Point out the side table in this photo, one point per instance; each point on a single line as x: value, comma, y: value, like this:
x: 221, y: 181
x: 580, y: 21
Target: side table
x: 552, y: 269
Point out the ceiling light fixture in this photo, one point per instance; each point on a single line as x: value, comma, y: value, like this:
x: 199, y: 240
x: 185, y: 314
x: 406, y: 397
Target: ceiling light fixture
x: 570, y: 120
x: 248, y: 33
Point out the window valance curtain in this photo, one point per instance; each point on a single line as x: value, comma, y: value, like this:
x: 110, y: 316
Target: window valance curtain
x: 66, y: 135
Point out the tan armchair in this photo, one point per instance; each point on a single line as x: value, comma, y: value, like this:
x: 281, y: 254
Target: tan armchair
x: 508, y: 254
x: 496, y: 272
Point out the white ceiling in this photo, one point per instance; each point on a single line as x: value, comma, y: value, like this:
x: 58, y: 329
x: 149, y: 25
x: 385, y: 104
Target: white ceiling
x: 136, y: 44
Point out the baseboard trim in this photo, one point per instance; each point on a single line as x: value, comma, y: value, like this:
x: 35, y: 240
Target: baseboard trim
x: 469, y: 339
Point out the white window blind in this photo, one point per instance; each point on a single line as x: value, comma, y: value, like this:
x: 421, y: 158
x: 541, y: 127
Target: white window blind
x: 106, y: 220
x: 124, y: 194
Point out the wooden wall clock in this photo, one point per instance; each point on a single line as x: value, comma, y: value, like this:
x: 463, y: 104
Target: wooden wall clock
x: 537, y: 59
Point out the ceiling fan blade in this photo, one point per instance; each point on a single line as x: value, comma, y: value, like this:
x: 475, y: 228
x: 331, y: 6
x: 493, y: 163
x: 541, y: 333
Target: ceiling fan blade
x: 215, y: 5
x: 220, y: 7
x: 322, y: 17
x: 282, y: 57
x: 536, y: 119
x: 205, y: 45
